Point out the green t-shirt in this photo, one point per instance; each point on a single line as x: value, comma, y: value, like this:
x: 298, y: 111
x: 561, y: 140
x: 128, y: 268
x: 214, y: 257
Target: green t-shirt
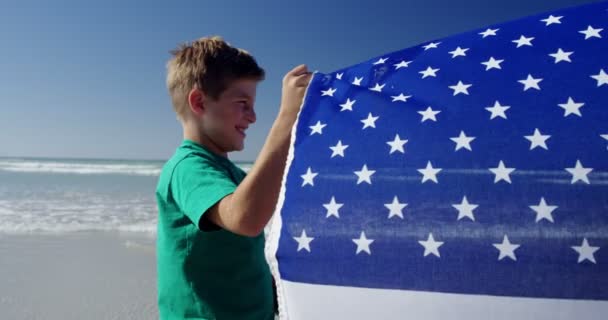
x: 206, y: 274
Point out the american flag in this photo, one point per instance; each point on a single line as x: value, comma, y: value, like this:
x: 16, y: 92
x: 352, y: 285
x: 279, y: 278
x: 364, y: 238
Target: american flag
x: 473, y: 165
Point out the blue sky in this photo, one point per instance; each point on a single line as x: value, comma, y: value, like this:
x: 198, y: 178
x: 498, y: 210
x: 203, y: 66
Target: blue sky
x: 87, y: 80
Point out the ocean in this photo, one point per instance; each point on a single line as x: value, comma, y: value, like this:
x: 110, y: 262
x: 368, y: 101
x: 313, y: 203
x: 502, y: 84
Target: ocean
x: 71, y: 195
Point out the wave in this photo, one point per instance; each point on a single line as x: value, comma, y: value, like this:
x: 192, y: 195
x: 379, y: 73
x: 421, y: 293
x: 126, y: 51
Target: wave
x: 91, y: 167
x: 50, y: 166
x: 21, y: 228
x: 83, y: 213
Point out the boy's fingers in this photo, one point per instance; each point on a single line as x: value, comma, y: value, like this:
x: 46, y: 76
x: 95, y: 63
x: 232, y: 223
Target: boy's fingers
x: 304, y: 79
x: 299, y: 70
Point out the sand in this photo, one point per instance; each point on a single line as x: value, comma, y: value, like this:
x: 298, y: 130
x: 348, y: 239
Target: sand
x: 94, y: 275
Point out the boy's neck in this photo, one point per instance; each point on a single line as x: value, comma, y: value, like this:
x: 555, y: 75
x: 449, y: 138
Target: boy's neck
x: 196, y: 136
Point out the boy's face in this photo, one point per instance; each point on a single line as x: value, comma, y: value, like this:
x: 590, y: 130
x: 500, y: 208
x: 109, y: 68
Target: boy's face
x: 225, y: 120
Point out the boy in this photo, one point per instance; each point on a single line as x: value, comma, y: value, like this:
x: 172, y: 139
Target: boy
x: 210, y: 247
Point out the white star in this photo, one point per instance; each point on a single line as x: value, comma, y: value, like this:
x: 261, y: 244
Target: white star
x: 380, y: 61
x: 431, y: 246
x: 357, y: 81
x: 370, y: 121
x: 364, y: 175
x: 523, y: 41
x: 602, y: 78
x: 489, y: 32
x: 428, y: 114
x: 492, y: 64
x: 429, y: 173
x: 460, y: 88
x: 400, y: 97
x: 561, y: 55
x: 459, y: 52
x: 502, y: 172
x: 465, y: 209
x: 506, y: 248
x: 338, y: 149
x: 303, y: 241
x: 538, y: 140
x: 431, y: 45
x: 309, y: 177
x: 429, y: 72
x: 530, y: 82
x: 498, y: 110
x: 591, y: 32
x: 348, y: 105
x: 395, y: 208
x: 339, y: 75
x: 571, y: 107
x: 377, y: 87
x: 402, y: 64
x: 317, y: 128
x: 551, y: 20
x: 397, y: 144
x: 585, y: 251
x: 579, y: 173
x: 329, y: 92
x: 462, y: 141
x: 332, y: 208
x: 363, y: 243
x: 543, y: 211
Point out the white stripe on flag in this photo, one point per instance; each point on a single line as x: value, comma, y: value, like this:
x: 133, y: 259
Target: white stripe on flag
x: 308, y: 301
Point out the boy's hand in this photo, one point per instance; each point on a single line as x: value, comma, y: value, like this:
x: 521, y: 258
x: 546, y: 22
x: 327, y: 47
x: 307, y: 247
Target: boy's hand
x: 294, y: 86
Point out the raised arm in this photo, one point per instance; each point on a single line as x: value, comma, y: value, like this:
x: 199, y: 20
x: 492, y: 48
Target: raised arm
x: 250, y: 207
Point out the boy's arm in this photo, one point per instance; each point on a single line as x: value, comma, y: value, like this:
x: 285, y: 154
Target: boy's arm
x: 250, y: 207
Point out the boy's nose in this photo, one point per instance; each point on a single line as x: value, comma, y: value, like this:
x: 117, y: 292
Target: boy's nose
x: 251, y: 116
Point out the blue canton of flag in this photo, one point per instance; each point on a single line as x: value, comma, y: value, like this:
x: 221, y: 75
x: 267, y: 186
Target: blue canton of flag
x: 475, y: 164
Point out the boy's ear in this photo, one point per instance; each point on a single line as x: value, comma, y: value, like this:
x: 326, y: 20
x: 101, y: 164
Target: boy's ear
x: 196, y: 101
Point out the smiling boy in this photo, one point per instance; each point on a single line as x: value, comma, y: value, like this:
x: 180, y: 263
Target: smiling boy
x: 210, y: 246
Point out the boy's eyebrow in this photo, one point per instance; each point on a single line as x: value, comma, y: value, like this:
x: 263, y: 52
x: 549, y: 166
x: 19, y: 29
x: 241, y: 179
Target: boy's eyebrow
x: 241, y: 94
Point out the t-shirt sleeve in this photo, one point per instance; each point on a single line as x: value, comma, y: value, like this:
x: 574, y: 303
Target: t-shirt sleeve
x: 198, y: 184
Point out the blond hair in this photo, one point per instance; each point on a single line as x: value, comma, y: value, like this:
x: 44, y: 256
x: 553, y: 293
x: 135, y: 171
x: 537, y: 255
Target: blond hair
x: 209, y: 64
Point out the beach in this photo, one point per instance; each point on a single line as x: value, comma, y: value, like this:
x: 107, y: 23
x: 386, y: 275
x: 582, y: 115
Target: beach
x: 82, y: 275
x: 77, y: 238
